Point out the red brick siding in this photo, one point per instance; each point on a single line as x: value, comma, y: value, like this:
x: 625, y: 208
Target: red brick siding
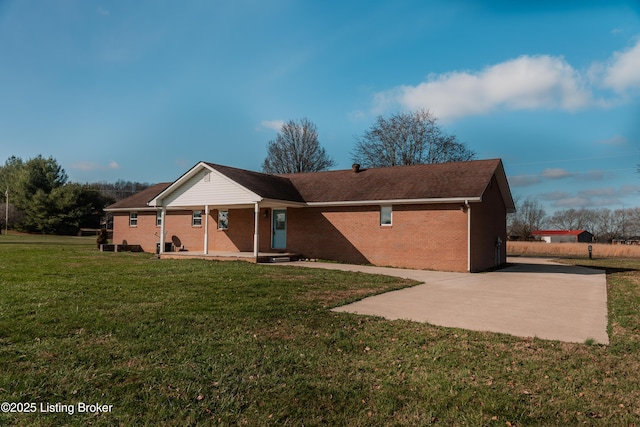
x: 239, y: 235
x: 142, y: 234
x: 422, y: 236
x: 488, y: 222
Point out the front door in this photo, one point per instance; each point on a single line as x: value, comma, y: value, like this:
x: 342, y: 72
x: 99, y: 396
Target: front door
x: 279, y: 240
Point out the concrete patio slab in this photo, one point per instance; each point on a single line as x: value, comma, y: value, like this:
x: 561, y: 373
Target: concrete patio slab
x: 531, y: 298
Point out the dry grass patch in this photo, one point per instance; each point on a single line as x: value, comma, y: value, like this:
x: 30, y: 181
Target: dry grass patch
x: 600, y: 250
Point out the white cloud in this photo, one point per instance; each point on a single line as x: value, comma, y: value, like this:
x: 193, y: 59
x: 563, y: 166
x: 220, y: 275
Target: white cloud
x: 555, y: 173
x: 593, y: 175
x: 590, y: 198
x: 524, y: 83
x: 573, y: 202
x: 540, y: 82
x: 555, y: 195
x: 357, y: 115
x: 614, y: 140
x: 87, y: 166
x: 272, y: 124
x: 622, y: 72
x: 104, y: 12
x: 524, y: 180
x: 598, y: 192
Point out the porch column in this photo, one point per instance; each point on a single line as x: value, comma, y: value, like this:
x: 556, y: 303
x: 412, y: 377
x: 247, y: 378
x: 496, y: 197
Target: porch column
x: 256, y: 218
x: 163, y: 217
x: 206, y: 229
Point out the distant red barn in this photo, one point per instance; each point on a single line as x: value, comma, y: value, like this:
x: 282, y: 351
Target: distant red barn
x: 560, y: 236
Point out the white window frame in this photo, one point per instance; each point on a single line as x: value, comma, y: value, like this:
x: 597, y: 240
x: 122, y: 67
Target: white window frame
x: 383, y: 211
x: 196, y: 219
x: 158, y: 218
x: 133, y: 219
x: 223, y: 219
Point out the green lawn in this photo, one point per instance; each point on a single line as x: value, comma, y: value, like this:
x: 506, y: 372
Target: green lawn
x: 192, y: 342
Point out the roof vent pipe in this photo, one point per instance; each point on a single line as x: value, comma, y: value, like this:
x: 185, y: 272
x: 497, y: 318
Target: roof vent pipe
x: 355, y: 168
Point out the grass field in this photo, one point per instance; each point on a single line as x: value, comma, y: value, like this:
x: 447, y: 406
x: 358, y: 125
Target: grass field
x: 192, y: 342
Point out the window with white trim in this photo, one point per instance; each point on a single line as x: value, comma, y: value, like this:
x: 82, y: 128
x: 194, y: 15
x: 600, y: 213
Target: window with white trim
x: 196, y: 220
x: 386, y: 215
x: 133, y: 219
x: 223, y: 220
x: 158, y: 218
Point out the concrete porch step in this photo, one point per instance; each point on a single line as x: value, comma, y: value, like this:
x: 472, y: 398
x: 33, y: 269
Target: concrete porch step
x: 279, y: 258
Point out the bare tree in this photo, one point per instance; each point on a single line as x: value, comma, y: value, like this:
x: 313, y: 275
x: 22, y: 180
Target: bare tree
x: 296, y: 149
x: 573, y: 219
x: 529, y: 217
x: 408, y: 139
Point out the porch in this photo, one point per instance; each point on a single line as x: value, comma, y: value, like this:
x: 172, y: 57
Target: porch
x: 263, y: 257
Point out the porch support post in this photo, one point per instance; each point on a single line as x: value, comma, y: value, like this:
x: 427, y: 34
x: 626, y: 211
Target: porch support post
x: 206, y: 229
x: 163, y: 218
x: 256, y: 219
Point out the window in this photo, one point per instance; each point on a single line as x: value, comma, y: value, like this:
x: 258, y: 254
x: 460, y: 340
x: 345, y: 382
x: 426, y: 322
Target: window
x: 196, y: 220
x: 385, y: 215
x: 158, y: 218
x: 133, y: 219
x: 223, y: 220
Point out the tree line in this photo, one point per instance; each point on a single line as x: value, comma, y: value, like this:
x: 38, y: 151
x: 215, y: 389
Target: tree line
x: 42, y: 200
x: 605, y: 224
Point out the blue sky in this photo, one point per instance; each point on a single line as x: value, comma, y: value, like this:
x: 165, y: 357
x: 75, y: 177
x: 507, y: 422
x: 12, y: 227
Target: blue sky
x: 142, y: 90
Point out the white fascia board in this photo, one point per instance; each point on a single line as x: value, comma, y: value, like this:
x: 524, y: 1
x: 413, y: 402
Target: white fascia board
x: 398, y: 202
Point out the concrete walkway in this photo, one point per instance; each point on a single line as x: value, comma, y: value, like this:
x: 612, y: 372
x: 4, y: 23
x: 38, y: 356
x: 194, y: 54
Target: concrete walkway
x: 533, y: 297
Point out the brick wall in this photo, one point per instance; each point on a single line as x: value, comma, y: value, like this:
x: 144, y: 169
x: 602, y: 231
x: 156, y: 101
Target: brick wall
x: 179, y: 229
x: 239, y: 235
x: 488, y: 222
x: 421, y: 236
x: 142, y: 234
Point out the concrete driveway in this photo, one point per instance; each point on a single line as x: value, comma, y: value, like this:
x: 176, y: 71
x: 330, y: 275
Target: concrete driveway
x: 532, y: 297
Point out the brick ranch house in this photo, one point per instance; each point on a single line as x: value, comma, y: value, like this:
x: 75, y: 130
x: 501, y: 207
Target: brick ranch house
x: 449, y: 216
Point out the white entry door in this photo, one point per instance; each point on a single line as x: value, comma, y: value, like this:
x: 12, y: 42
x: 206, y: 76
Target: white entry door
x: 279, y: 240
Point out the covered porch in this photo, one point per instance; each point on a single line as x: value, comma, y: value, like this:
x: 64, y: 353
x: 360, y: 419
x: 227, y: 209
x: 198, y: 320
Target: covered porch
x: 235, y: 213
